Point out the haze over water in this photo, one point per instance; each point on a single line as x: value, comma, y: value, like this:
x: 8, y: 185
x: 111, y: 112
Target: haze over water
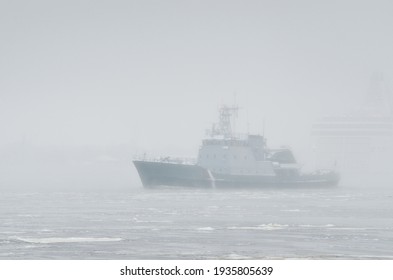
x: 86, y: 85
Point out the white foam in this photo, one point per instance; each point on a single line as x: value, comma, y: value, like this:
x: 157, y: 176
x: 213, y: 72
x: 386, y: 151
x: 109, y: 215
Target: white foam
x: 234, y: 256
x: 51, y: 240
x: 318, y: 226
x: 350, y: 228
x: 206, y: 228
x: 136, y: 220
x: 261, y: 227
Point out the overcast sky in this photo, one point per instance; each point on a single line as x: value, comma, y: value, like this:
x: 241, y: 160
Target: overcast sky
x: 151, y: 74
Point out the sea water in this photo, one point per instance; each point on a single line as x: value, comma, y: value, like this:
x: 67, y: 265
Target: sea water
x: 180, y: 223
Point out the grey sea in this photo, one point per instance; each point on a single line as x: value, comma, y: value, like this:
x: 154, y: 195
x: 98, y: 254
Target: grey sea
x: 136, y: 223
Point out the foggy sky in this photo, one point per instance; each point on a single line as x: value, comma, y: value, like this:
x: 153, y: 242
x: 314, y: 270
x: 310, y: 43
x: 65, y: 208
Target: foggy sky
x: 151, y: 74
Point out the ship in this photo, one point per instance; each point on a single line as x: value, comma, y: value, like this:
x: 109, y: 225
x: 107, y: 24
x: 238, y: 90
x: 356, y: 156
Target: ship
x: 360, y: 141
x: 230, y: 160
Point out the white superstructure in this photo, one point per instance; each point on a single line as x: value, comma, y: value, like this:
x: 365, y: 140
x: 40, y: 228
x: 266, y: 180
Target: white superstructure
x: 360, y: 144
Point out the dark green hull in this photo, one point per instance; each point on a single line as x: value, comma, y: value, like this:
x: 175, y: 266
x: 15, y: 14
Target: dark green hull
x: 155, y: 174
x: 171, y: 174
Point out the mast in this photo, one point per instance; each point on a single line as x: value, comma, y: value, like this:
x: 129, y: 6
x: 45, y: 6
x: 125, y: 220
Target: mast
x: 224, y: 128
x: 377, y: 100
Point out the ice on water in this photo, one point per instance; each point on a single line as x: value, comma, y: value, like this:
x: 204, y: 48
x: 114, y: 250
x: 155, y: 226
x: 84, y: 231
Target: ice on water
x: 134, y: 223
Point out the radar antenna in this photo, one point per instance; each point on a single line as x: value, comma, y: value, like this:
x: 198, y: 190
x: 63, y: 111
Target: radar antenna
x: 224, y: 127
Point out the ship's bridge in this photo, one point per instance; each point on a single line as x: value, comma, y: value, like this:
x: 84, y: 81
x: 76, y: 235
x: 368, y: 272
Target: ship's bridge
x: 224, y: 142
x: 234, y: 155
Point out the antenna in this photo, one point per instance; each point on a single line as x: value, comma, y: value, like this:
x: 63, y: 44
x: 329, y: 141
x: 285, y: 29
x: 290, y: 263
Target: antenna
x: 224, y: 126
x: 234, y: 112
x: 248, y: 123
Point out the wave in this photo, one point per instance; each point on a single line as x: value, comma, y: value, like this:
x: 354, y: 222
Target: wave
x: 338, y: 228
x: 234, y: 256
x: 318, y: 226
x: 261, y: 227
x: 51, y: 240
x: 205, y: 228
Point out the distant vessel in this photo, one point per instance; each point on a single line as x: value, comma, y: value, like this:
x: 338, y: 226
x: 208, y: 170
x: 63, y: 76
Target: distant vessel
x: 360, y: 142
x: 229, y: 160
